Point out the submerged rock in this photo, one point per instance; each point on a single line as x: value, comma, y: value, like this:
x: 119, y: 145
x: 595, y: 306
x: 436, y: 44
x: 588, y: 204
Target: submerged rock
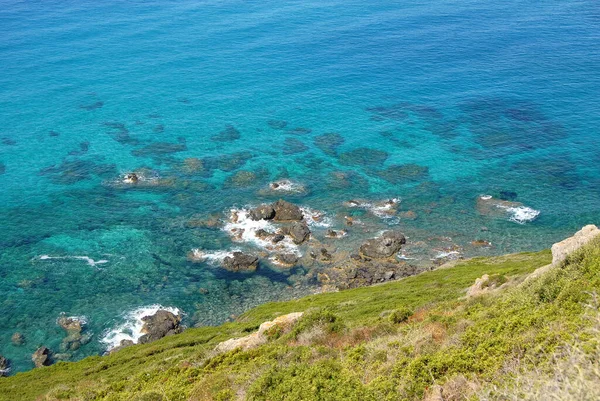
x: 41, y: 357
x: 329, y: 142
x: 286, y: 211
x: 240, y: 261
x: 293, y: 145
x: 240, y: 179
x: 229, y: 134
x: 159, y: 149
x: 17, y: 339
x: 277, y: 124
x: 364, y: 157
x: 401, y: 173
x: 2, y: 168
x: 163, y: 323
x: 383, y: 246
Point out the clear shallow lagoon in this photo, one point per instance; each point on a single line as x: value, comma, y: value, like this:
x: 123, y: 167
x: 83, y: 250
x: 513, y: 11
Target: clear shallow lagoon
x: 500, y: 99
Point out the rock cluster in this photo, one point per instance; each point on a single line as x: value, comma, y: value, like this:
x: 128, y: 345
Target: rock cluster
x: 74, y: 328
x: 279, y: 211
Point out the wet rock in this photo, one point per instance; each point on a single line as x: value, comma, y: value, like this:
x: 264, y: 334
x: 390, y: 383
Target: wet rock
x: 383, y: 246
x: 366, y: 157
x: 262, y: 212
x: 277, y: 238
x: 293, y: 145
x: 4, y: 366
x: 298, y: 231
x: 286, y: 259
x: 336, y: 233
x: 74, y: 339
x: 17, y: 339
x: 41, y: 357
x: 130, y: 178
x: 402, y: 173
x: 240, y: 261
x: 229, y: 134
x: 329, y: 142
x: 162, y: 323
x: 286, y: 211
x: 70, y: 324
x: 277, y: 124
x: 481, y: 243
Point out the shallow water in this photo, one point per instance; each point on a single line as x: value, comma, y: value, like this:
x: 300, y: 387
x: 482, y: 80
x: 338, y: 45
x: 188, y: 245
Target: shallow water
x: 435, y: 104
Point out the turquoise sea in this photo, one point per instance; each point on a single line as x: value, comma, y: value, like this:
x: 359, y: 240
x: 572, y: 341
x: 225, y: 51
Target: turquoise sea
x: 434, y: 103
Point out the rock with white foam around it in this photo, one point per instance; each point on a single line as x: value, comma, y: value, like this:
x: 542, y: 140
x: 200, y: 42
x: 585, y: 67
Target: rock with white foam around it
x: 286, y: 211
x: 564, y: 248
x: 240, y: 261
x: 383, y: 246
x: 163, y: 323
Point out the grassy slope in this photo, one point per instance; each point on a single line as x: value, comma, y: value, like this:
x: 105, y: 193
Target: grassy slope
x: 347, y: 347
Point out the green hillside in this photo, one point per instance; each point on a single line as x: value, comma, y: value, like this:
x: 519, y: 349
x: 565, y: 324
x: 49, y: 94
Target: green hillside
x: 416, y: 338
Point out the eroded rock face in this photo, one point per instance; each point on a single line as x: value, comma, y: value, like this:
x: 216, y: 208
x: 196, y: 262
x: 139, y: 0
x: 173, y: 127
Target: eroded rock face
x: 383, y: 246
x: 564, y: 248
x: 162, y: 323
x: 240, y: 261
x: 260, y: 337
x: 286, y: 211
x: 41, y: 357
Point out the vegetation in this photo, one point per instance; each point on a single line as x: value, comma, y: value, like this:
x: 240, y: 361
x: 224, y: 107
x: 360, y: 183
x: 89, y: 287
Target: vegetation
x: 405, y: 340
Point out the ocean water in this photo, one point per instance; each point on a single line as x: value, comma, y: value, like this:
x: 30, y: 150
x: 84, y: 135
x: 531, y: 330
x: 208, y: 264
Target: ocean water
x: 433, y: 104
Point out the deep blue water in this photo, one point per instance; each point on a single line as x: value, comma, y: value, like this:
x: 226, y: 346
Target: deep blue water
x: 498, y: 98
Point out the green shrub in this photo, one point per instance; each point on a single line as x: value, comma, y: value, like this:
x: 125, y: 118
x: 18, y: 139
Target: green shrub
x: 323, y: 318
x: 400, y: 315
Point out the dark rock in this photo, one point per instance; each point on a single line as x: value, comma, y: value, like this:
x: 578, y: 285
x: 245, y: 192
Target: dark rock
x: 299, y: 232
x: 131, y: 178
x: 229, y: 134
x: 162, y: 323
x: 41, y: 357
x: 4, y: 366
x: 329, y: 142
x: 277, y: 238
x: 122, y: 344
x: 400, y: 173
x: 383, y: 246
x: 17, y: 339
x: 286, y: 211
x: 364, y: 157
x: 262, y: 212
x: 508, y: 195
x: 293, y: 145
x: 240, y: 262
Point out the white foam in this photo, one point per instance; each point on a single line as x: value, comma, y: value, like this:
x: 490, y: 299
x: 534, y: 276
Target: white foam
x: 212, y: 257
x: 241, y: 228
x: 316, y: 218
x: 382, y: 209
x: 447, y: 254
x: 486, y: 197
x: 287, y: 186
x: 89, y: 260
x: 522, y: 214
x: 131, y: 329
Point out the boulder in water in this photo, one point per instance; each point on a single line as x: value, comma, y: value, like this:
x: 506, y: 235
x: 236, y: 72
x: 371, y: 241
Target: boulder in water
x: 17, y: 339
x: 162, y: 323
x: 286, y: 211
x: 383, y: 246
x: 262, y: 212
x: 298, y: 231
x: 240, y: 261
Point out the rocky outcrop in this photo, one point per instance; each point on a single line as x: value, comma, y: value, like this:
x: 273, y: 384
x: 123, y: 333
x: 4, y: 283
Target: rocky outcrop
x: 122, y: 344
x: 298, y: 231
x: 74, y: 327
x: 564, y: 248
x: 4, y: 366
x: 284, y: 324
x: 163, y: 323
x: 285, y: 259
x: 41, y: 357
x: 383, y: 246
x: 240, y: 261
x: 286, y: 211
